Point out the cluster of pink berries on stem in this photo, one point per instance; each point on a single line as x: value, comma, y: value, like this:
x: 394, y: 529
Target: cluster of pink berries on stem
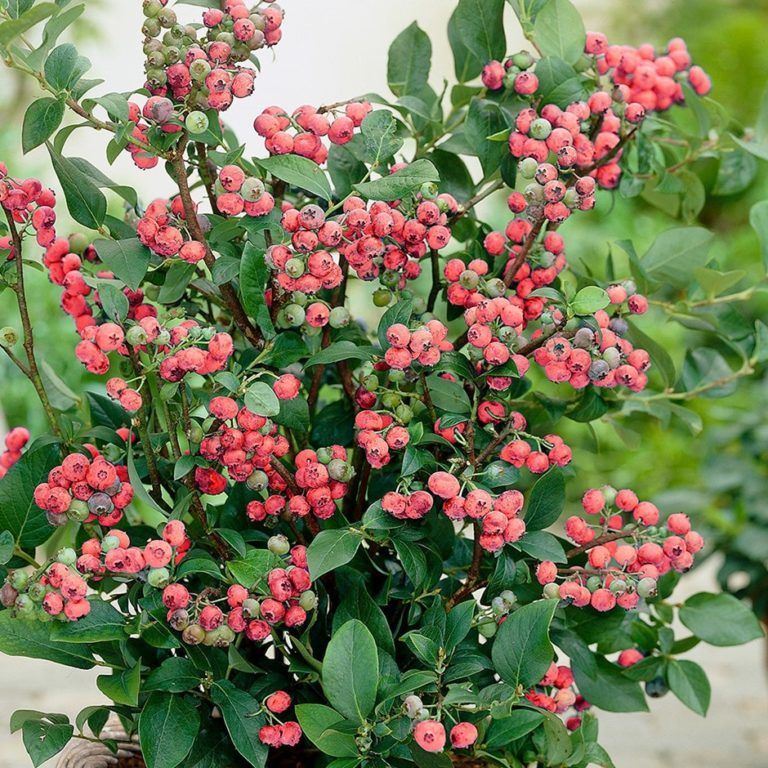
x: 15, y: 442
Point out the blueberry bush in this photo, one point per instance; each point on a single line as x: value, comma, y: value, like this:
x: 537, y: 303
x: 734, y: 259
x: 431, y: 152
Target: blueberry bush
x: 292, y: 530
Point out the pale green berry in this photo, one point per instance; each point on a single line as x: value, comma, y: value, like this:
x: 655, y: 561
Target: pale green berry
x: 279, y: 545
x: 197, y: 122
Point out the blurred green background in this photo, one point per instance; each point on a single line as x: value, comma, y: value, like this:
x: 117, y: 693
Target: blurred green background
x: 717, y: 474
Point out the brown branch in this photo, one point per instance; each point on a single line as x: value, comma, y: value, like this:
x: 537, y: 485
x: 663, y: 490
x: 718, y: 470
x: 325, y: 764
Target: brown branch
x: 435, y: 290
x: 604, y: 539
x: 32, y: 371
x: 473, y: 574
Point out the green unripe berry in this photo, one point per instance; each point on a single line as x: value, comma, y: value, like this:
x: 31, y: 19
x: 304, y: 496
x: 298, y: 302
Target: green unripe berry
x: 498, y: 606
x: 252, y: 189
x: 509, y: 597
x: 339, y: 317
x: 308, y: 600
x: 324, y: 455
x: 339, y: 470
x: 389, y: 278
x: 403, y: 413
x: 67, y: 556
x: 540, y: 130
x: 487, y: 629
x: 24, y: 604
x: 469, y: 279
x: 109, y: 543
x: 396, y: 376
x: 279, y: 545
x: 371, y: 383
x: 381, y: 297
x: 391, y: 400
x: 294, y: 267
x: 413, y: 705
x: 523, y: 60
x: 646, y: 587
x: 194, y: 634
x: 151, y: 28
x: 609, y: 493
x: 429, y: 190
x: 294, y: 314
x: 197, y: 122
x: 37, y: 592
x: 257, y: 480
x: 551, y: 591
x: 152, y: 8
x: 199, y: 69
x: 618, y: 587
x: 19, y: 580
x: 594, y: 583
x: 136, y: 336
x: 158, y: 577
x: 251, y: 609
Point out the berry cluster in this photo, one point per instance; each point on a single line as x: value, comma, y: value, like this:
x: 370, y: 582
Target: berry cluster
x: 244, y: 443
x: 430, y: 734
x: 377, y: 434
x: 163, y: 229
x: 203, y: 71
x: 28, y: 202
x: 387, y: 240
x: 85, y: 489
x: 281, y: 598
x: 15, y: 441
x: 550, y: 451
x: 514, y: 74
x: 56, y: 592
x: 498, y: 517
x: 602, y: 358
x: 277, y: 733
x: 650, y: 81
x: 422, y: 344
x: 624, y: 559
x: 239, y: 193
x: 301, y: 132
x: 555, y: 693
x: 114, y: 556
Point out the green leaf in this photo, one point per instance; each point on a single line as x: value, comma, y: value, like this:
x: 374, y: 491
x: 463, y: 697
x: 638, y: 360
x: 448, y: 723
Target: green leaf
x: 448, y: 395
x: 479, y: 25
x: 542, y: 546
x: 15, y: 27
x: 85, y: 201
x: 168, y: 725
x: 608, y: 688
x: 559, y: 82
x: 522, y: 651
x: 688, y: 681
x: 720, y: 619
x: 43, y: 740
x: 122, y: 687
x: 588, y: 300
x: 176, y: 281
x: 332, y: 549
x: 351, y: 671
x: 113, y: 301
x: 65, y: 66
x: 484, y: 119
x: 19, y: 514
x: 138, y: 486
x: 174, y: 675
x: 546, y: 501
x: 102, y: 624
x: 321, y: 724
x: 240, y: 712
x: 358, y: 604
x: 675, y: 253
x: 507, y: 729
x: 127, y: 259
x: 254, y: 279
x: 405, y: 182
x: 340, y: 351
x: 294, y: 414
x: 7, y: 546
x: 466, y: 65
x: 661, y: 359
x: 410, y: 59
x: 41, y: 119
x: 254, y: 567
x: 413, y: 560
x: 758, y: 219
x: 261, y: 399
x: 559, y: 31
x: 380, y: 136
x: 22, y: 637
x: 299, y: 172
